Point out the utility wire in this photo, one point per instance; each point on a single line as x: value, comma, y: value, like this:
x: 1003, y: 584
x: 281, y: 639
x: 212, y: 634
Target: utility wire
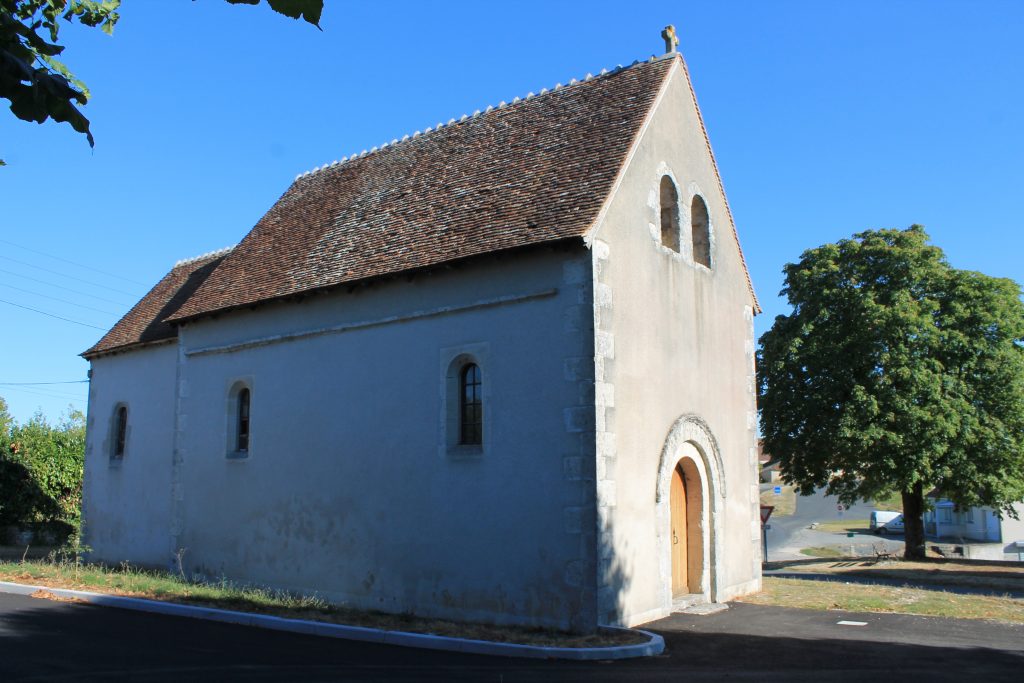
x: 46, y: 392
x: 37, y: 384
x: 70, y: 277
x: 67, y: 320
x: 63, y: 397
x: 50, y: 284
x: 74, y: 263
x: 56, y: 298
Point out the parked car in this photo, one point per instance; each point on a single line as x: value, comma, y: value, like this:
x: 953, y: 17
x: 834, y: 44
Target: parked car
x: 883, y: 522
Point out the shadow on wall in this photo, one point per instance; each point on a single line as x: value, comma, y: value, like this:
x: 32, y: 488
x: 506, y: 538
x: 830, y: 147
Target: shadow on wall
x: 157, y: 328
x: 613, y: 580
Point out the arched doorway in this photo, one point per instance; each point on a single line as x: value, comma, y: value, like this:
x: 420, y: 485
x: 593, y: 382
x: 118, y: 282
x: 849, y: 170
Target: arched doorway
x: 691, y: 445
x: 686, y: 503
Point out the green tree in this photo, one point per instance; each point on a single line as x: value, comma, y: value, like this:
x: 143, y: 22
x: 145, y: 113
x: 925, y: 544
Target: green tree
x: 5, y: 422
x: 896, y: 373
x: 41, y: 468
x: 40, y: 86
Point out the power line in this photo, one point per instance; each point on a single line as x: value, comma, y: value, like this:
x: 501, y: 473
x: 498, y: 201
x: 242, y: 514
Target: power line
x: 61, y: 397
x: 50, y: 284
x: 37, y: 384
x: 57, y: 298
x: 53, y: 394
x: 67, y: 320
x: 70, y: 277
x: 74, y: 263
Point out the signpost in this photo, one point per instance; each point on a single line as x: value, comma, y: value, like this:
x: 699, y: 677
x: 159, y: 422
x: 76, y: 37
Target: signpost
x: 777, y: 490
x: 766, y: 512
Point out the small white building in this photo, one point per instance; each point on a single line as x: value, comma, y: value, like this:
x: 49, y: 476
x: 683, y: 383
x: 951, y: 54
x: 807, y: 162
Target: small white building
x: 989, y: 534
x: 499, y: 370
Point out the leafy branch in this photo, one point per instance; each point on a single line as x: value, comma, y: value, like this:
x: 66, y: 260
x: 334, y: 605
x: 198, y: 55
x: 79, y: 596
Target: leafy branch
x: 39, y: 86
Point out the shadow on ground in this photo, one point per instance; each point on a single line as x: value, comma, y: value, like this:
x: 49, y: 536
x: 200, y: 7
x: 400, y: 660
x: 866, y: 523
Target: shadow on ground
x: 106, y: 644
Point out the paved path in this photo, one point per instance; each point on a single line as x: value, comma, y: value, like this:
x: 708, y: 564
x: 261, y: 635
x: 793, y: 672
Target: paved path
x: 789, y: 534
x: 48, y: 641
x: 807, y: 645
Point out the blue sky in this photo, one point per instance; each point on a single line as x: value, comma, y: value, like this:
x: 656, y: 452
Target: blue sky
x: 827, y: 118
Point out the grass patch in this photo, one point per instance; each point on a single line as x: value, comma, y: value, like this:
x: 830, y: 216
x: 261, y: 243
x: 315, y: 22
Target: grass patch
x: 821, y: 551
x: 828, y: 595
x: 841, y: 526
x: 892, y: 503
x: 996, y: 577
x: 784, y: 502
x: 155, y: 585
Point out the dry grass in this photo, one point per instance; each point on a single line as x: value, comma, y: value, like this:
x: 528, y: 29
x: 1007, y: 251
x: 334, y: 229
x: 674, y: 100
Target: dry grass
x: 133, y: 582
x: 997, y: 577
x: 785, y: 502
x: 828, y: 595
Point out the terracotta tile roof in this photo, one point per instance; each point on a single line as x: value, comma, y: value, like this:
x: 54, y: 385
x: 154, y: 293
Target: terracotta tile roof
x: 534, y: 171
x: 146, y: 322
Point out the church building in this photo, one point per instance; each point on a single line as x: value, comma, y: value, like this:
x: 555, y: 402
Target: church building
x: 500, y: 370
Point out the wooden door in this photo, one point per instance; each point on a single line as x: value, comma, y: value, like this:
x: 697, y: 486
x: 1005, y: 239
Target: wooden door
x: 677, y: 501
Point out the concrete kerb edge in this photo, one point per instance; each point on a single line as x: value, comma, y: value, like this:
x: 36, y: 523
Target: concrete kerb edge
x: 654, y: 646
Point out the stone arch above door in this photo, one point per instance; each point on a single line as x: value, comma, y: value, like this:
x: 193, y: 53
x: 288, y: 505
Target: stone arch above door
x: 693, y: 429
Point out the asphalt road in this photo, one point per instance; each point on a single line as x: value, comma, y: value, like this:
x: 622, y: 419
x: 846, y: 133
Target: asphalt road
x: 49, y: 641
x: 788, y: 534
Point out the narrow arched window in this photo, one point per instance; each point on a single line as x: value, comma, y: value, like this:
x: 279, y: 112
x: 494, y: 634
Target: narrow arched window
x: 120, y: 431
x: 669, y: 214
x: 701, y: 231
x: 242, y: 429
x: 471, y: 409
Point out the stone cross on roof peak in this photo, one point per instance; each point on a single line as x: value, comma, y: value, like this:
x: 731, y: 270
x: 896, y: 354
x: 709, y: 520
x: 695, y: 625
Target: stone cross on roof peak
x: 671, y: 40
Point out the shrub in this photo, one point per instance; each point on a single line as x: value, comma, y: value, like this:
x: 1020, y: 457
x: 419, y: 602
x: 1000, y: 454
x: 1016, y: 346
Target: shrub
x: 41, y: 468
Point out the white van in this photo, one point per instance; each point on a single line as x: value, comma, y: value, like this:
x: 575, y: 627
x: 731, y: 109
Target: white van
x: 883, y: 522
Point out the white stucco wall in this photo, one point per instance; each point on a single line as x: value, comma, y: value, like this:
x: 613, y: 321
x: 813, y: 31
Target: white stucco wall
x: 350, y: 490
x: 1013, y: 531
x: 674, y: 370
x: 126, y: 501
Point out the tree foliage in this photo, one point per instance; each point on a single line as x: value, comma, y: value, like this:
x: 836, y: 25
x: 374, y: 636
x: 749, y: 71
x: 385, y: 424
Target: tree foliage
x: 896, y: 373
x: 39, y: 85
x: 41, y: 468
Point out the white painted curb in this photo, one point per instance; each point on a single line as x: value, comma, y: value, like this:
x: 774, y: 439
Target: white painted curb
x: 654, y: 646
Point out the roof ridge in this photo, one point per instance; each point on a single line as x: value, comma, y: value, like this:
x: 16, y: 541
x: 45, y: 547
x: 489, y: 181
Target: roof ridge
x: 477, y: 113
x: 208, y: 255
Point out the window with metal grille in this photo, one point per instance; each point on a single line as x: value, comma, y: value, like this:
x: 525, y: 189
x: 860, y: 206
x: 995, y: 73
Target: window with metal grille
x: 471, y: 411
x: 242, y: 433
x: 120, y: 431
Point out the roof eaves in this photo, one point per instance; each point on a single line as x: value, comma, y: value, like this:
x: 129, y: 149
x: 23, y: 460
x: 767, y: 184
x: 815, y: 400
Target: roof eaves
x: 721, y: 187
x: 179, y: 320
x: 125, y: 348
x: 609, y: 196
x: 680, y: 62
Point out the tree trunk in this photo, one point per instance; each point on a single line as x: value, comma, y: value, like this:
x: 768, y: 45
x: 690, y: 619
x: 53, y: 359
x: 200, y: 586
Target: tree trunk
x: 913, y: 523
